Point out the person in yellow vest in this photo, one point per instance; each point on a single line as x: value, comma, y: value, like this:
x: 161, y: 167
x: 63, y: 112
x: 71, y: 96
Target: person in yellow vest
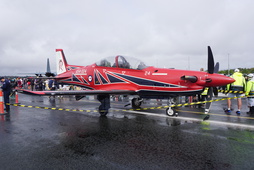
x: 203, y: 97
x: 250, y: 93
x: 239, y: 85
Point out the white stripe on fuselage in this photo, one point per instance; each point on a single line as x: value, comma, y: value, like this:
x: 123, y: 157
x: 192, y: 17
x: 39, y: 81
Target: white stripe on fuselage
x: 159, y: 74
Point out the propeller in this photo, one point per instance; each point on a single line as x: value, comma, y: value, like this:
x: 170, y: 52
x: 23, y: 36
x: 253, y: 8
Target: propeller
x: 210, y: 61
x: 211, y: 69
x: 216, y: 67
x: 206, y: 117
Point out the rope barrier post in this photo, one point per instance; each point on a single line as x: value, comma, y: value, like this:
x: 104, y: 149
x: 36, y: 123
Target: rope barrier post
x: 16, y: 97
x: 1, y: 102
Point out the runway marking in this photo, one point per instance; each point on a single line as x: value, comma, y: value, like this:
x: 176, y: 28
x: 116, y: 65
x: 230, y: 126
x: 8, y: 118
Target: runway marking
x: 195, y: 119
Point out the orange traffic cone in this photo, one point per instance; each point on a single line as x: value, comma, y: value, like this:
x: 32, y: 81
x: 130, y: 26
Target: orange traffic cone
x: 1, y: 103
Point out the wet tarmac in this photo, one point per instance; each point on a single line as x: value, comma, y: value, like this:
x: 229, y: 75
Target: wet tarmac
x: 35, y: 138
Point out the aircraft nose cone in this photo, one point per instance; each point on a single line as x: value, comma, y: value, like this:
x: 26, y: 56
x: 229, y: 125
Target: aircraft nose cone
x: 221, y: 80
x: 230, y: 80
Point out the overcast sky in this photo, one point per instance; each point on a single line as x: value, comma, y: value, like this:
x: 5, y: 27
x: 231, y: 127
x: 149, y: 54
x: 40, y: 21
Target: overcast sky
x: 163, y: 33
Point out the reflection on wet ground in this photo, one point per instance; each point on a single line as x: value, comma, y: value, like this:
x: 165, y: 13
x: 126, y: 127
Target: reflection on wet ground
x: 52, y: 139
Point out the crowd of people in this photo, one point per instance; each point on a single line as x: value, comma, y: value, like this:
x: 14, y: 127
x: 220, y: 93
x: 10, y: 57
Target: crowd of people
x: 243, y: 85
x: 9, y: 85
x: 34, y: 84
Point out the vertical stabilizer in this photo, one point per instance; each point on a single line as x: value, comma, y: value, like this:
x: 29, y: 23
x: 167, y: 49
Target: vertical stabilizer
x: 48, y: 72
x: 61, y: 62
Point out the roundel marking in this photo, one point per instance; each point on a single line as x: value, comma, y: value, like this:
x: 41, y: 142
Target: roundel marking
x: 90, y: 78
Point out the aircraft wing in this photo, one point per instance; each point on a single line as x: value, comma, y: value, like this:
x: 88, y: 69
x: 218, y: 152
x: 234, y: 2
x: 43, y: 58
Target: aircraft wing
x: 76, y: 92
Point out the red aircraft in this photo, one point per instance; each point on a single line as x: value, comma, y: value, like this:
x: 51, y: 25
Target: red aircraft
x: 129, y: 76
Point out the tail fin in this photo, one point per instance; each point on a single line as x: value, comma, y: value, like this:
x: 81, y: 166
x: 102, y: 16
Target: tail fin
x: 61, y: 63
x: 48, y: 72
x: 48, y: 66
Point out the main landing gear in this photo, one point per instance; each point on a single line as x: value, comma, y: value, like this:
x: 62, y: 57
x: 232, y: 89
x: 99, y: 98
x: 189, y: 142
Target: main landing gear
x: 136, y: 102
x: 105, y: 104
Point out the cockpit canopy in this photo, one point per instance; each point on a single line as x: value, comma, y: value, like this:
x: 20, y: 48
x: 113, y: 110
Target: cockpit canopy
x: 122, y: 62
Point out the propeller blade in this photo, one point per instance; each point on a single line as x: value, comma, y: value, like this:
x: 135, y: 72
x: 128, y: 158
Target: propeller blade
x: 217, y: 67
x: 210, y: 61
x: 209, y: 97
x: 206, y: 117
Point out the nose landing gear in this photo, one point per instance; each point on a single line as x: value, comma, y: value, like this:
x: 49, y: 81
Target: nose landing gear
x: 171, y: 111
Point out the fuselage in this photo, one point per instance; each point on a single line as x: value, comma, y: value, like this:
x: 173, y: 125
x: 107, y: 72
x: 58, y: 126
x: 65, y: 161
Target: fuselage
x: 149, y: 81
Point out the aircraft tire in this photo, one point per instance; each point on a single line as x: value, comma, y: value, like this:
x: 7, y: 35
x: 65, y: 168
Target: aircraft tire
x: 103, y: 111
x: 170, y: 111
x: 136, y: 102
x: 105, y: 104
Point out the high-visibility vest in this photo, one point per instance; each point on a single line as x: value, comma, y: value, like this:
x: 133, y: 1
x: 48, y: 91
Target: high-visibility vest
x: 250, y: 88
x: 239, y: 84
x: 205, y: 91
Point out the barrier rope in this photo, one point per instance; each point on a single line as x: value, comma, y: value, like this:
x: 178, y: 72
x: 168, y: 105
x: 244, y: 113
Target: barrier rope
x: 230, y: 91
x: 148, y: 108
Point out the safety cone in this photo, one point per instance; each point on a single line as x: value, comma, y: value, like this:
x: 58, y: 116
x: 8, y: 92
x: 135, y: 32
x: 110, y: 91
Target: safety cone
x: 1, y: 103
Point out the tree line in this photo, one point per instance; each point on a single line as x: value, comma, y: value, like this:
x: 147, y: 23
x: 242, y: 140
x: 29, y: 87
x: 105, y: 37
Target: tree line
x: 242, y: 70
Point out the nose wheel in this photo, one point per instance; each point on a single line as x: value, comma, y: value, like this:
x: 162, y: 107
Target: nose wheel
x: 170, y: 111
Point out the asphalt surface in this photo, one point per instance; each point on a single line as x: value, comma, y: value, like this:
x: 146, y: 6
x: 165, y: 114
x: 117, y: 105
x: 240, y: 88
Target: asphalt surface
x: 36, y: 138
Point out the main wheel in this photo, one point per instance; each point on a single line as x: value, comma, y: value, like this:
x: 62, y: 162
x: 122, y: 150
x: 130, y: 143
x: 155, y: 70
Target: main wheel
x: 103, y: 111
x: 105, y: 104
x: 170, y: 111
x: 136, y: 102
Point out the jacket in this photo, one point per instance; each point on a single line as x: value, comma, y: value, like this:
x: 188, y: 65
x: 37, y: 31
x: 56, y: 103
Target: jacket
x: 239, y: 84
x: 205, y: 92
x: 250, y: 87
x: 6, y: 86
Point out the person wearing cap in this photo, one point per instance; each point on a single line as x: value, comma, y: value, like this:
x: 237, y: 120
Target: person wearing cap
x: 237, y: 87
x: 250, y: 93
x: 6, y: 87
